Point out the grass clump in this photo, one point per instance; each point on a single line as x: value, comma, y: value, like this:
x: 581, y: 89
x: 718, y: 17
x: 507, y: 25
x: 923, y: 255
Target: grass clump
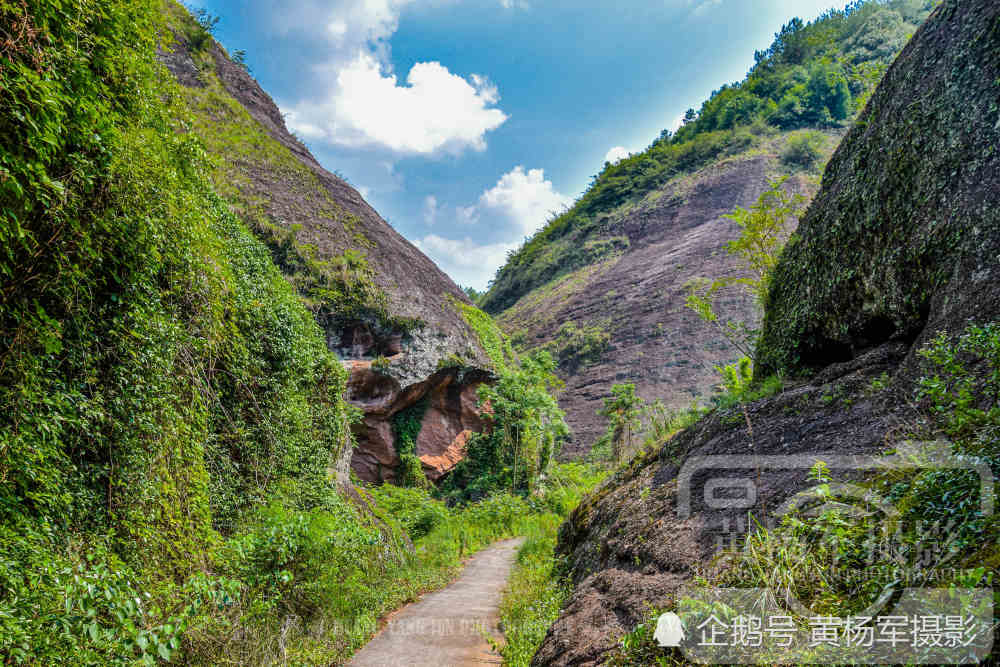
x: 836, y: 561
x: 580, y: 345
x: 493, y: 341
x: 538, y: 589
x: 803, y: 150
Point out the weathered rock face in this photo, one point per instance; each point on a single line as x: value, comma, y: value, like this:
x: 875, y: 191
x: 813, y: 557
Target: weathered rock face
x: 899, y: 245
x: 902, y: 237
x: 626, y: 547
x: 676, y: 234
x: 276, y: 185
x: 450, y: 417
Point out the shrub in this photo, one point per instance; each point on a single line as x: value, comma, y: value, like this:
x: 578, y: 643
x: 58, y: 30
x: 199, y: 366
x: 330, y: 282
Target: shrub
x: 411, y: 471
x: 803, y: 150
x: 763, y: 232
x: 580, y: 345
x: 380, y: 365
x: 406, y: 425
x: 525, y: 430
x: 962, y: 388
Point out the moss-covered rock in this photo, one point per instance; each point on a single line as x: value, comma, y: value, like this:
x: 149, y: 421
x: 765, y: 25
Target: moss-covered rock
x: 905, y: 232
x: 898, y: 252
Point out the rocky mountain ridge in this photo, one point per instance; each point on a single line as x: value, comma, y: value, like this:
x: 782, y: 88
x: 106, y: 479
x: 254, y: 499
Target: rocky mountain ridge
x: 636, y: 297
x: 896, y: 256
x: 604, y: 284
x: 388, y: 312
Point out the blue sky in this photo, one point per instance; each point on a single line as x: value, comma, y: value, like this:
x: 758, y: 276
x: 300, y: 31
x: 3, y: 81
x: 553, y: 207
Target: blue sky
x: 467, y: 123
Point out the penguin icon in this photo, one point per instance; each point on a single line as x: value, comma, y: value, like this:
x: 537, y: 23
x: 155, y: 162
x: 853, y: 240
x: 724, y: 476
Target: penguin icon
x: 669, y: 630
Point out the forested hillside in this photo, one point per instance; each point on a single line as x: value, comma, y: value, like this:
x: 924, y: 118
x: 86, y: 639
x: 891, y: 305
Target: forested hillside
x: 604, y: 284
x: 870, y: 477
x: 172, y: 369
x: 813, y: 75
x: 382, y: 305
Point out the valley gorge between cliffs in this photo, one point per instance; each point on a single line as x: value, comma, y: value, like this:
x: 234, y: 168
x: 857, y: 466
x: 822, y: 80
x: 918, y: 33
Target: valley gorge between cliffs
x: 752, y: 371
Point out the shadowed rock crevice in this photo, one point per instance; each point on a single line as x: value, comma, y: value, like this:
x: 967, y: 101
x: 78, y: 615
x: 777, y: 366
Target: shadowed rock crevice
x: 451, y: 415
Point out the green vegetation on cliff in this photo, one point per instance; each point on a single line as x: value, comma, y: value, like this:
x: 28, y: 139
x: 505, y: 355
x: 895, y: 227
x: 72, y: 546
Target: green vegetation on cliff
x: 162, y: 382
x: 813, y: 75
x: 853, y: 276
x: 171, y: 409
x: 940, y: 536
x: 886, y: 305
x: 340, y: 288
x: 525, y: 425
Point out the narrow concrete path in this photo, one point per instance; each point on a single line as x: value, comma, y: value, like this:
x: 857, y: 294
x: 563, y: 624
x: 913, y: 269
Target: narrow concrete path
x: 444, y: 628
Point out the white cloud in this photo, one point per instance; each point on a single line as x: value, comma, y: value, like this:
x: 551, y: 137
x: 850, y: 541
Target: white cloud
x: 525, y: 198
x: 430, y: 209
x: 467, y: 215
x: 676, y: 123
x: 467, y: 262
x: 361, y: 103
x: 520, y: 202
x: 615, y: 154
x: 702, y: 7
x: 515, y: 4
x: 435, y: 111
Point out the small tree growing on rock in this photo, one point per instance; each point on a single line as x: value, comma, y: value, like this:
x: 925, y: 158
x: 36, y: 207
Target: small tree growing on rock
x: 623, y: 409
x: 525, y: 430
x: 764, y: 231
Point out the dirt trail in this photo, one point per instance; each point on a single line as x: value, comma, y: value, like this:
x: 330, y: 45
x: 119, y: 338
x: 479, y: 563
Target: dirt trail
x: 444, y: 629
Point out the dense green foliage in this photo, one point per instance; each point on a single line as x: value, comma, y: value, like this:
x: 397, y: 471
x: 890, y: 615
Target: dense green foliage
x: 340, y: 288
x: 580, y: 345
x: 171, y: 408
x: 406, y: 427
x: 813, y: 75
x: 525, y: 425
x: 538, y: 587
x: 525, y: 431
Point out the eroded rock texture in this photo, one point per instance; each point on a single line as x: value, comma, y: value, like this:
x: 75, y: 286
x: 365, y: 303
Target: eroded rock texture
x: 276, y: 185
x: 677, y: 234
x: 450, y: 417
x: 901, y: 243
x: 902, y: 238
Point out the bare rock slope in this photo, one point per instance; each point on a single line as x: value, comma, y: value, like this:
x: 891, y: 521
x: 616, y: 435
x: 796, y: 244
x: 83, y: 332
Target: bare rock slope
x: 603, y: 284
x: 387, y: 310
x: 901, y: 244
x: 636, y: 297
